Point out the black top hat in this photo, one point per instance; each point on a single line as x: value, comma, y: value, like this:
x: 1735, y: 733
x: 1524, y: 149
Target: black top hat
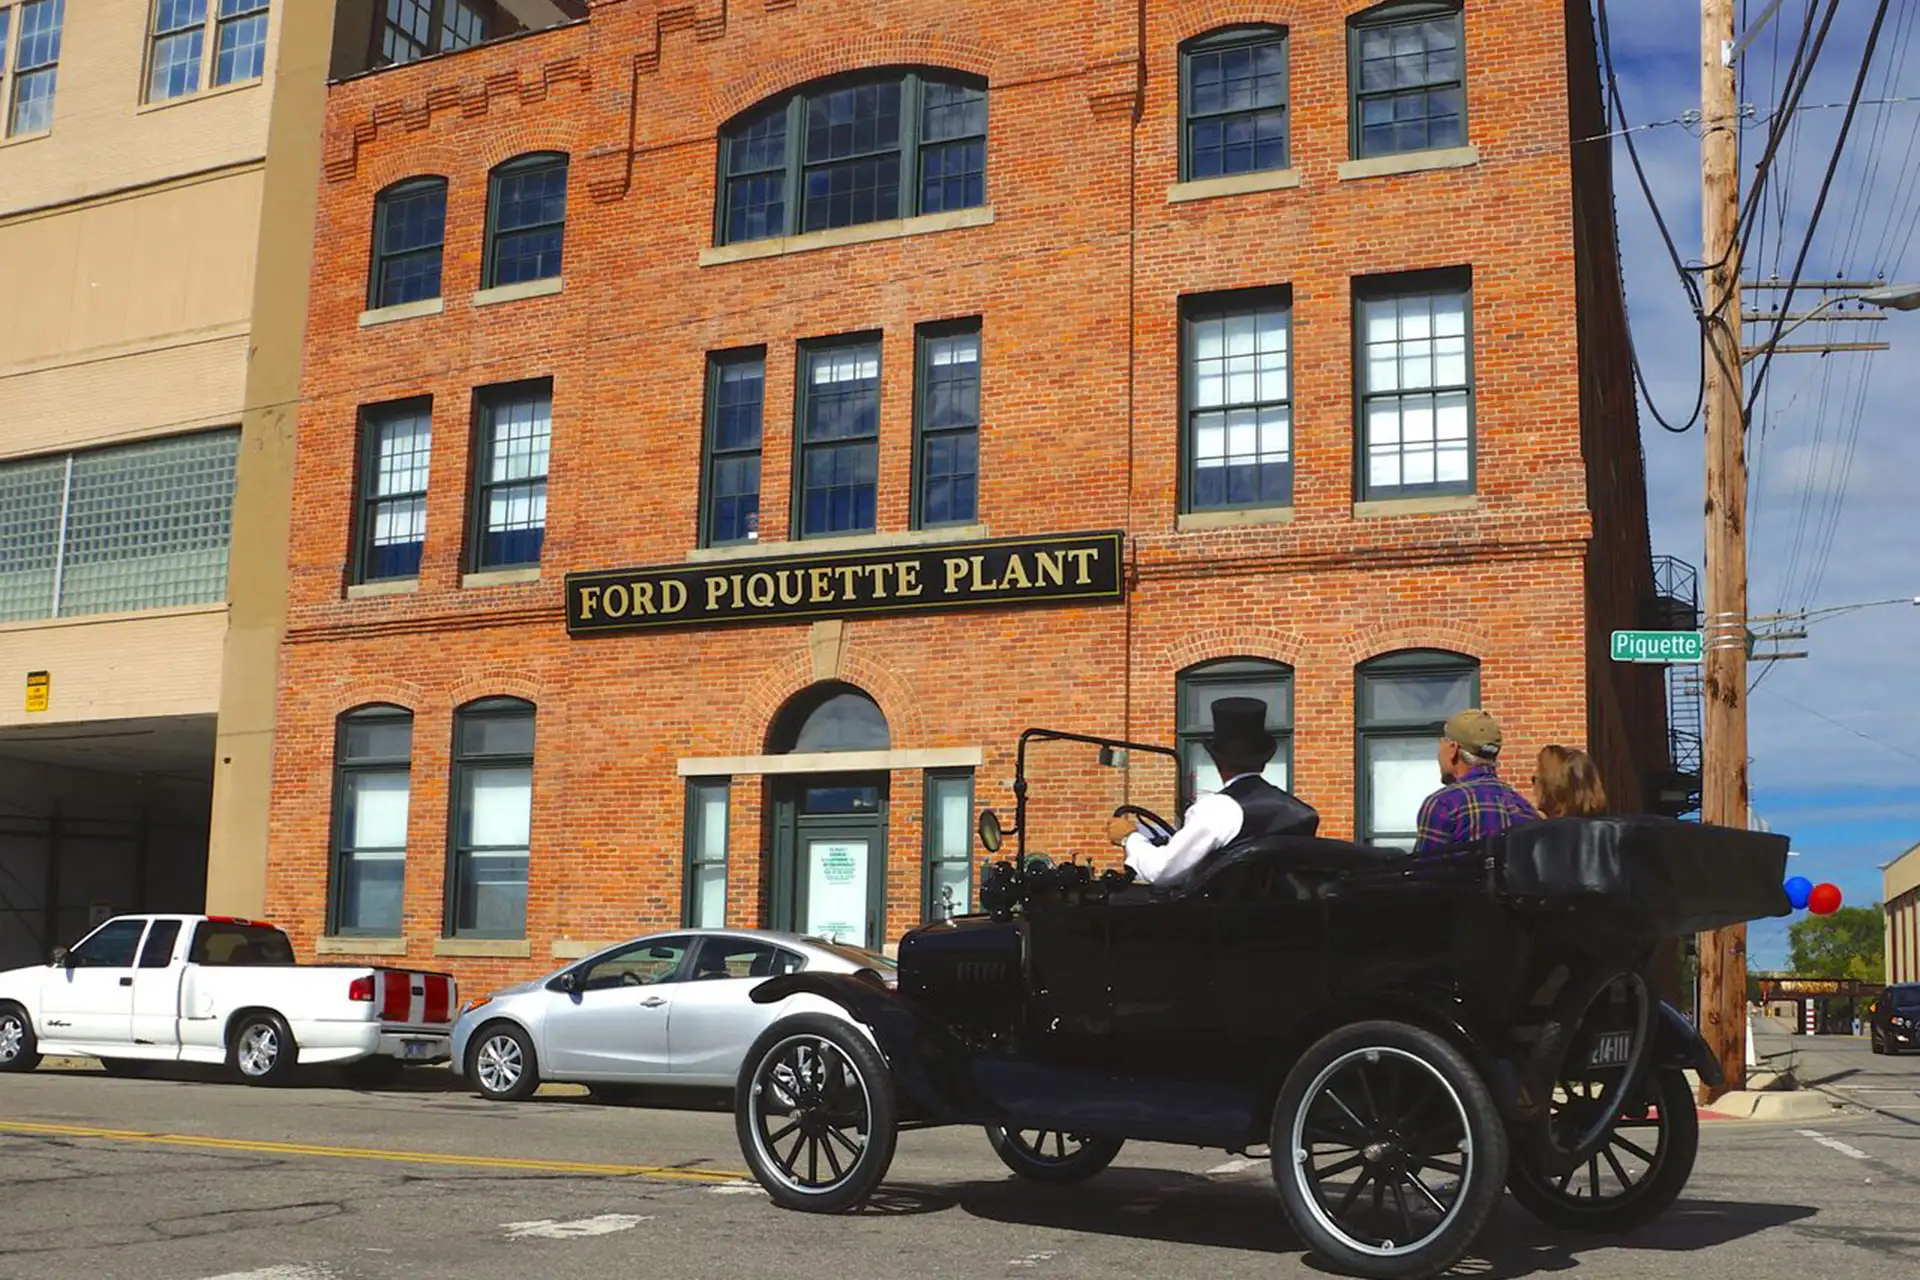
x: 1240, y: 725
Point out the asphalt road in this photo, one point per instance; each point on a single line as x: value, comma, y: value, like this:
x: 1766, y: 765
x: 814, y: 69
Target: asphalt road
x: 189, y: 1179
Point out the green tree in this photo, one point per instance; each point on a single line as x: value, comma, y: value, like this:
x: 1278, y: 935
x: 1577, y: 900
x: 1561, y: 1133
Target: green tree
x: 1850, y: 943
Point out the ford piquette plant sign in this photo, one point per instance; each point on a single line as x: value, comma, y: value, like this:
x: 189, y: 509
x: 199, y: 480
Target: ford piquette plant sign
x: 1004, y: 571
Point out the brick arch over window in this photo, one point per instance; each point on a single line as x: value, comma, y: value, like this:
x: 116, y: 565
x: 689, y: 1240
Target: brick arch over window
x: 360, y: 695
x: 791, y: 675
x: 1238, y: 641
x: 492, y: 682
x: 1204, y: 17
x: 1379, y: 641
x: 868, y: 53
x: 898, y: 140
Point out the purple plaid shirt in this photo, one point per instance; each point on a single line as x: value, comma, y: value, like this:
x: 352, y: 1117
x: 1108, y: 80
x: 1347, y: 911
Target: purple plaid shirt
x: 1476, y: 806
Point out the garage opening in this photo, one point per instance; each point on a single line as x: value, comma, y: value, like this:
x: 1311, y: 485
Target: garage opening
x: 97, y: 819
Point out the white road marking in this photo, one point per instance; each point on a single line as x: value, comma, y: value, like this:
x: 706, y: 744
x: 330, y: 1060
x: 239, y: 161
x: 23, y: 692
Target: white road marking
x: 1832, y: 1144
x: 278, y: 1273
x: 1233, y: 1166
x: 737, y: 1189
x: 549, y: 1229
x: 1033, y: 1259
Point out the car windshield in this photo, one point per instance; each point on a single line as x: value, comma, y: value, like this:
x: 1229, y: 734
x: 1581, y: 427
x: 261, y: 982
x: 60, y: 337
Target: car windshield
x: 857, y: 955
x: 1905, y: 999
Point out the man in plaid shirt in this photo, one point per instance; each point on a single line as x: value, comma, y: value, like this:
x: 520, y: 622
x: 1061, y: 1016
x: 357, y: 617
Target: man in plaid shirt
x: 1474, y: 803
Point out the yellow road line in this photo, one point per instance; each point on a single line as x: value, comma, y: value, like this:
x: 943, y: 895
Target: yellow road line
x: 206, y: 1143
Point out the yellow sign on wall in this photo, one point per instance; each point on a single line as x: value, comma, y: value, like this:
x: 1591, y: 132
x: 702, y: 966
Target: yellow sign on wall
x: 39, y: 689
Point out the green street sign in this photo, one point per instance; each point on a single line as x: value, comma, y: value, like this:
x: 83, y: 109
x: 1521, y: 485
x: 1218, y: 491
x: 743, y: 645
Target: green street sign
x: 1658, y: 646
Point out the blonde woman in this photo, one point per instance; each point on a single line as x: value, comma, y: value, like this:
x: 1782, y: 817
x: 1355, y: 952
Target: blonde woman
x: 1566, y: 784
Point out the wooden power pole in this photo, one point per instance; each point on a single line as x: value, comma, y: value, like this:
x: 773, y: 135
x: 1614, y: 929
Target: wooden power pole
x: 1723, y: 768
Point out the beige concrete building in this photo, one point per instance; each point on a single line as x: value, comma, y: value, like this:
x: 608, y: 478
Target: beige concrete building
x: 158, y: 168
x: 1900, y: 891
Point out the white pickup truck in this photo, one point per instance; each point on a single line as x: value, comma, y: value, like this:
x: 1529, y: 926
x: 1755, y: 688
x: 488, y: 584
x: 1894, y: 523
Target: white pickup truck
x: 219, y: 989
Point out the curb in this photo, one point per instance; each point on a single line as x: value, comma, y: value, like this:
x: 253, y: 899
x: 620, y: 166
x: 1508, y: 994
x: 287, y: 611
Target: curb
x: 1746, y: 1104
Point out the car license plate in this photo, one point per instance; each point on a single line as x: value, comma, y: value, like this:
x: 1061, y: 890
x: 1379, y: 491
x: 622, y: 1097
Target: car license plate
x: 1611, y: 1049
x: 416, y: 1048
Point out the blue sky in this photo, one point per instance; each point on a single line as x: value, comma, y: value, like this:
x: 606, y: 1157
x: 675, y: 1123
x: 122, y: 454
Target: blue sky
x: 1835, y: 442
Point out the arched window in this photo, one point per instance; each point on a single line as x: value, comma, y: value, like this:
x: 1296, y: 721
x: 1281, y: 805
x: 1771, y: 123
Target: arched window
x: 1402, y: 701
x: 855, y: 149
x: 372, y: 758
x: 1198, y: 687
x: 409, y: 230
x: 526, y: 219
x: 1407, y: 77
x: 493, y: 819
x: 829, y: 716
x: 1233, y: 102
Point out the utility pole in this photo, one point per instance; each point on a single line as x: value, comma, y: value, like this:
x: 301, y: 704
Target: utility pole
x: 1723, y: 763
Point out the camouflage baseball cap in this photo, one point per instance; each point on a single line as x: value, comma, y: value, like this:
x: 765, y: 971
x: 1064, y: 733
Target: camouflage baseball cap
x: 1475, y: 731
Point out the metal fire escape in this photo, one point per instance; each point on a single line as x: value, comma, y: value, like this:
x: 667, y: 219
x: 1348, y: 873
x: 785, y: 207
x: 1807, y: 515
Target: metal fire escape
x: 1676, y: 607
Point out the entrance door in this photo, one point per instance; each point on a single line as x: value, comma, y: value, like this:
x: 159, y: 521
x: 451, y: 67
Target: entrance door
x: 831, y: 874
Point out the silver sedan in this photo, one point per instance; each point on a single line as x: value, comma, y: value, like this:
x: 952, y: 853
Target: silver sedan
x: 670, y: 1008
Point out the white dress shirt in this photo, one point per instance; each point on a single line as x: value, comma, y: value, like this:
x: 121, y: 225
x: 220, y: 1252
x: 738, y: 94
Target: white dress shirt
x: 1212, y: 821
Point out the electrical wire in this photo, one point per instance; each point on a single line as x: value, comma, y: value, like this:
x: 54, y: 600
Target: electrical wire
x: 1821, y: 715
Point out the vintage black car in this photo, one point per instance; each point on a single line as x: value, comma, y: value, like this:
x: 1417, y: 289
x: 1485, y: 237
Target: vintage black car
x: 1408, y: 1035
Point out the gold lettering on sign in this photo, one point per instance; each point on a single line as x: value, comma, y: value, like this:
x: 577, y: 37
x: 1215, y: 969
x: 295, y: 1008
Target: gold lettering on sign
x: 1016, y: 574
x: 717, y: 587
x: 878, y: 572
x: 819, y: 589
x: 589, y: 600
x: 979, y: 581
x: 643, y: 597
x: 909, y: 577
x: 760, y: 590
x: 956, y: 569
x: 798, y: 582
x: 849, y: 578
x: 1050, y: 567
x: 1082, y: 557
x: 616, y: 600
x: 673, y: 596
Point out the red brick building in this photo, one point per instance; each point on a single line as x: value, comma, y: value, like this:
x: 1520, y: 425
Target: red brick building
x: 670, y: 367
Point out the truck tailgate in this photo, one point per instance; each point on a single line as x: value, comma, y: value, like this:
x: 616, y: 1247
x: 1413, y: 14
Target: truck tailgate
x: 408, y: 998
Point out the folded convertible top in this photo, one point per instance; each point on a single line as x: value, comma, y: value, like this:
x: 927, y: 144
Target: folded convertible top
x: 1673, y: 877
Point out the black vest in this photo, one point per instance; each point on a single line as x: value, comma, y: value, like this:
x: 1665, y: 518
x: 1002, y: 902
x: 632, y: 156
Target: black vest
x: 1269, y: 810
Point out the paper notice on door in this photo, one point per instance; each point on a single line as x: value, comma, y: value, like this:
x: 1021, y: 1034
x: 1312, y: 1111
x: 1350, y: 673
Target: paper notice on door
x: 837, y: 891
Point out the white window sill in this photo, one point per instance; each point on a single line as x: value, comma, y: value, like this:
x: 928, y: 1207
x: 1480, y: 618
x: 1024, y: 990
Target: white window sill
x: 866, y: 232
x: 402, y: 311
x: 1410, y: 162
x: 856, y: 542
x: 1236, y: 184
x: 500, y: 577
x: 199, y: 95
x: 499, y: 948
x: 515, y: 292
x: 360, y: 946
x: 1195, y: 521
x: 386, y: 587
x: 19, y: 138
x: 1416, y: 506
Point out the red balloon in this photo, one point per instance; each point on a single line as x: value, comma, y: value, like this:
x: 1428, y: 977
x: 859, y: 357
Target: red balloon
x: 1824, y: 900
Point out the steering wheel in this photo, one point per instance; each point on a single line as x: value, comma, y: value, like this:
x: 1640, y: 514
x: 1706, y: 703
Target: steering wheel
x: 1160, y: 831
x: 628, y: 978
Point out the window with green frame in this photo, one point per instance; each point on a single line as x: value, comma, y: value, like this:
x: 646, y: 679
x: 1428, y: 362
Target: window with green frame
x: 492, y: 819
x: 949, y: 844
x: 947, y: 423
x: 704, y: 904
x: 1407, y: 74
x: 1413, y: 365
x: 1402, y: 701
x: 883, y: 144
x: 1198, y: 687
x: 1233, y: 102
x: 730, y: 470
x: 526, y: 219
x: 1236, y: 384
x: 372, y: 760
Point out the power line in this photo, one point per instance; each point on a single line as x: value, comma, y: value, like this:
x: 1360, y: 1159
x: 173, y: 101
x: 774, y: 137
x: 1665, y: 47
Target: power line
x: 1821, y: 715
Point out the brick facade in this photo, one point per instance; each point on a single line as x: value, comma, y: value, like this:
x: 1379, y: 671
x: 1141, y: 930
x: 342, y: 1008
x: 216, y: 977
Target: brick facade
x: 1077, y: 279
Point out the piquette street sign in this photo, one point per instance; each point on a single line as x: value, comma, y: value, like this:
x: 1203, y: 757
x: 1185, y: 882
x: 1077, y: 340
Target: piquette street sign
x: 834, y: 584
x: 1658, y: 646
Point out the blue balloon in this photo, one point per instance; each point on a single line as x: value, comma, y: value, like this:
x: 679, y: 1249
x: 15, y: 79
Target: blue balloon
x: 1799, y: 889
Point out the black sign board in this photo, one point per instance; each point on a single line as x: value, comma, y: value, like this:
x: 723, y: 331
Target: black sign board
x: 837, y: 584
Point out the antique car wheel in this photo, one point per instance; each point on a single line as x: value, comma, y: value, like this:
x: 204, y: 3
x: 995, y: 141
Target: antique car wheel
x: 1048, y: 1156
x: 1633, y: 1179
x: 1388, y: 1150
x: 1586, y: 1098
x: 815, y: 1113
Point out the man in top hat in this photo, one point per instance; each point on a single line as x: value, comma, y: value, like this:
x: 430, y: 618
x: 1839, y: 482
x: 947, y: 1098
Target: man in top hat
x: 1246, y: 803
x: 1473, y: 803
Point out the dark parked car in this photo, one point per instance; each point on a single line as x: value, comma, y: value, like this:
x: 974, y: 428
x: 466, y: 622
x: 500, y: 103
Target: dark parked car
x: 1893, y: 1024
x: 1408, y: 1036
